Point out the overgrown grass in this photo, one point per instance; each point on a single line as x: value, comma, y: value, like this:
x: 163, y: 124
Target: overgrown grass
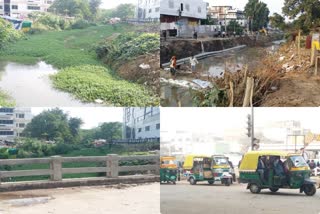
x: 61, y: 48
x: 89, y: 83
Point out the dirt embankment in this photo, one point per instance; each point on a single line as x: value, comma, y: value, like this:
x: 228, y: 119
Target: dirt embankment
x: 182, y: 48
x: 143, y: 70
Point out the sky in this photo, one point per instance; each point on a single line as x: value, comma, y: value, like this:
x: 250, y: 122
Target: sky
x: 221, y: 121
x: 273, y: 5
x: 91, y: 116
x: 108, y: 4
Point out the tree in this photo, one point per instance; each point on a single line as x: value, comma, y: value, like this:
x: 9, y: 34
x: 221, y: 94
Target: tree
x: 234, y: 26
x: 124, y: 11
x: 53, y: 125
x: 277, y: 21
x: 77, y: 8
x: 106, y: 131
x: 306, y: 12
x: 258, y: 14
x: 94, y: 7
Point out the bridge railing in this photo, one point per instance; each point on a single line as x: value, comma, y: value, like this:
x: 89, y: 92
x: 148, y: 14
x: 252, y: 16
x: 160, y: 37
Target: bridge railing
x: 56, y: 171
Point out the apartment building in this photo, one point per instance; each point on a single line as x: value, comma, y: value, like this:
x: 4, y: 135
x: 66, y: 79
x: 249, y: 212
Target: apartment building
x: 224, y: 14
x: 21, y: 8
x: 13, y: 121
x: 141, y: 123
x: 148, y: 10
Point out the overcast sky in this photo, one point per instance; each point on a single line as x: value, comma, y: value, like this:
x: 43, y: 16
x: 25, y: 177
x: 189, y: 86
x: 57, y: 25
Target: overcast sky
x: 221, y: 120
x: 91, y: 116
x: 108, y: 4
x: 273, y: 5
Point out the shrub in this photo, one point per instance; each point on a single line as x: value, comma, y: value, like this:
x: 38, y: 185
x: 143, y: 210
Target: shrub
x: 8, y: 33
x: 80, y: 24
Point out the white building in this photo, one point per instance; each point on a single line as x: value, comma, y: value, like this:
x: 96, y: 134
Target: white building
x: 182, y: 15
x: 21, y: 8
x: 13, y: 121
x: 148, y: 10
x: 225, y: 14
x: 141, y: 123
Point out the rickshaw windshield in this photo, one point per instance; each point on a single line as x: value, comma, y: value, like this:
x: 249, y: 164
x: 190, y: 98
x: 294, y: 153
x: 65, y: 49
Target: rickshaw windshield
x: 221, y: 161
x: 168, y: 162
x: 298, y: 161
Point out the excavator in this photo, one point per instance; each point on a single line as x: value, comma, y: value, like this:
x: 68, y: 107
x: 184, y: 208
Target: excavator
x: 263, y: 30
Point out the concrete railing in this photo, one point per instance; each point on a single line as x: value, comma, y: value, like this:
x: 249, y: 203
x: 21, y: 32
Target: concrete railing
x: 56, y: 170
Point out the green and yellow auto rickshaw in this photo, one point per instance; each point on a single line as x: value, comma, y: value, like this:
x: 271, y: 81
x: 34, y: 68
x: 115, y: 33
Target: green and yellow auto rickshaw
x: 198, y: 168
x: 168, y: 170
x: 274, y: 170
x: 221, y: 169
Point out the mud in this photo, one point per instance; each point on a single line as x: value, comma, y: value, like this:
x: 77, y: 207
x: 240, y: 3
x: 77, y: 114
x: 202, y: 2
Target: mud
x: 182, y: 48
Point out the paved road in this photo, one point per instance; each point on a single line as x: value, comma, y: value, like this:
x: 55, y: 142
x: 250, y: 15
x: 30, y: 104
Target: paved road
x: 202, y: 198
x: 142, y: 199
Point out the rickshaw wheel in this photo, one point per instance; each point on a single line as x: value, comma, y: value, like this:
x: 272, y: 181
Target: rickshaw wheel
x: 228, y: 182
x: 192, y: 181
x: 174, y: 182
x: 273, y: 189
x: 210, y: 182
x: 254, y: 188
x: 309, y: 190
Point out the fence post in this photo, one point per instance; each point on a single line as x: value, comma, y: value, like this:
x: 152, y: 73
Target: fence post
x: 56, y: 167
x: 112, y: 165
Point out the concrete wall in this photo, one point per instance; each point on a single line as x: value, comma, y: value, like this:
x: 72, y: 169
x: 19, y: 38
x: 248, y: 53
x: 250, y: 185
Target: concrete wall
x: 191, y: 8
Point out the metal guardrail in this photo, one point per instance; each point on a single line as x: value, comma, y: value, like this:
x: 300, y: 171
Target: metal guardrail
x: 56, y: 170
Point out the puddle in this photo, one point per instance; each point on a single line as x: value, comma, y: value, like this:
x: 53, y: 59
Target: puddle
x: 29, y: 85
x: 233, y: 61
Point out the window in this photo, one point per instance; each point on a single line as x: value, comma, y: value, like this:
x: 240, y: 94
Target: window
x: 19, y: 115
x: 22, y: 125
x: 157, y: 9
x: 147, y: 128
x: 14, y: 7
x: 6, y: 133
x: 139, y: 130
x: 158, y: 126
x: 171, y: 4
x: 7, y: 110
x: 2, y: 122
x: 187, y: 7
x: 199, y: 9
x: 33, y: 8
x: 150, y: 10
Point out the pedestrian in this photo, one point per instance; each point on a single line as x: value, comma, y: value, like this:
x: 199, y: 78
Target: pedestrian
x: 173, y: 65
x: 304, y: 154
x: 193, y: 62
x: 164, y: 33
x: 195, y: 35
x: 312, y: 164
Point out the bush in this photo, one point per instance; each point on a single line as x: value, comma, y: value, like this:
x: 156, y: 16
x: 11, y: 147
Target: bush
x: 8, y: 33
x: 128, y: 46
x: 80, y: 24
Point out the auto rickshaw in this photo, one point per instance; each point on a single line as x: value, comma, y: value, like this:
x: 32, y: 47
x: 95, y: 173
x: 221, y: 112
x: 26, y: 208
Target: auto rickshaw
x: 274, y: 170
x: 221, y: 169
x: 168, y: 170
x: 198, y: 168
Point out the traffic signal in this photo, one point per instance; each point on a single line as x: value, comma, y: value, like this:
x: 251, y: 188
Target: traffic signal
x: 256, y: 144
x: 249, y: 127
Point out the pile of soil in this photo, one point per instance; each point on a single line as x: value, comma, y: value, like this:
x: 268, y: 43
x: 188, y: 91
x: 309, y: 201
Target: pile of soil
x: 143, y: 70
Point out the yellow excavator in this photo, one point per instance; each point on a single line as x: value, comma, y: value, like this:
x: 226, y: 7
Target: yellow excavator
x: 263, y: 30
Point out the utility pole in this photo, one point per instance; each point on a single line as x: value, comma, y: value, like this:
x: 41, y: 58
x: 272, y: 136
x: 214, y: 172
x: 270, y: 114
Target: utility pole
x: 252, y: 127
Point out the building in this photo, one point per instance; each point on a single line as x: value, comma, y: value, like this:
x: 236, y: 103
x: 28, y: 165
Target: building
x: 223, y: 15
x: 21, y: 8
x: 148, y: 10
x: 13, y: 121
x: 182, y: 16
x: 141, y: 123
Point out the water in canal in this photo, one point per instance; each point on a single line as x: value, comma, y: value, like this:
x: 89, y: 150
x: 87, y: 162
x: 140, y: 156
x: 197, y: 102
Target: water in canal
x: 172, y: 95
x: 30, y: 85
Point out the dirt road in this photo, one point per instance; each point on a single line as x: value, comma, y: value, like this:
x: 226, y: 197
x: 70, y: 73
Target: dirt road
x: 142, y: 199
x: 202, y: 198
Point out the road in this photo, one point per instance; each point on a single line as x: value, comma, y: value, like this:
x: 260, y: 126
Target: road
x: 202, y: 198
x: 142, y: 199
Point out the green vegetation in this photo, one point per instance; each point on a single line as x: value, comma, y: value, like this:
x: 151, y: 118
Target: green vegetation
x: 8, y: 34
x: 128, y: 46
x: 258, y: 13
x: 4, y: 100
x: 89, y: 83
